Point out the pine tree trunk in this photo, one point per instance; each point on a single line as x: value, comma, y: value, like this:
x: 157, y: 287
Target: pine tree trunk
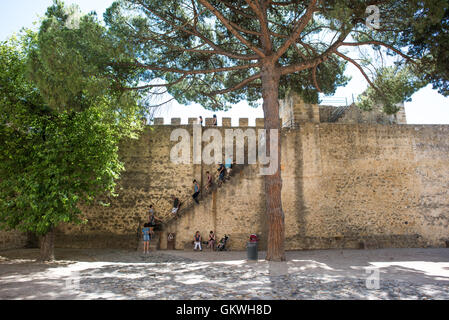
x: 273, y: 183
x: 47, y: 247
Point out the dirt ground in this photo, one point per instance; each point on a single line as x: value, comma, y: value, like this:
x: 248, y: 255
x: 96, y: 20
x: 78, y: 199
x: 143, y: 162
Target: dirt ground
x: 323, y: 274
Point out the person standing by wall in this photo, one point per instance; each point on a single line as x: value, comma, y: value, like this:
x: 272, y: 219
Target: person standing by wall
x: 215, y: 122
x: 150, y: 212
x: 146, y: 238
x: 228, y: 166
x: 212, y: 240
x: 209, y: 181
x: 196, y: 190
x: 197, y: 241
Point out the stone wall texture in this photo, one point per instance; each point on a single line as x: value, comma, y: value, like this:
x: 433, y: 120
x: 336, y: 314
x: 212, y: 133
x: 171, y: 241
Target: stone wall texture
x: 150, y: 179
x: 354, y: 115
x: 344, y: 186
x: 12, y: 240
x: 358, y: 186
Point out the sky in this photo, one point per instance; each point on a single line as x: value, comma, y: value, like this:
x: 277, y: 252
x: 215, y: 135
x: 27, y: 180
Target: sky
x: 427, y: 106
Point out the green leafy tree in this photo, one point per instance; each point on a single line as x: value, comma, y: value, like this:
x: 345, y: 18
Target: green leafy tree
x: 219, y: 52
x: 391, y: 87
x: 71, y: 61
x: 60, y: 127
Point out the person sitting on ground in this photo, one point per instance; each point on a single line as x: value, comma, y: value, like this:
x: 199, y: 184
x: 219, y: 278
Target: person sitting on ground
x: 196, y: 190
x: 209, y: 181
x: 221, y: 170
x: 212, y: 241
x: 197, y: 241
x: 176, y: 205
x: 146, y: 238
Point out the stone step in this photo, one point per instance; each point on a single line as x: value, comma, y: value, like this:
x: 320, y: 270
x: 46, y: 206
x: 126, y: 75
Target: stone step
x: 189, y: 204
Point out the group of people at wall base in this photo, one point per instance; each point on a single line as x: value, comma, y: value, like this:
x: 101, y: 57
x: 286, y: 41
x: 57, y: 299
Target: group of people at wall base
x: 198, y: 241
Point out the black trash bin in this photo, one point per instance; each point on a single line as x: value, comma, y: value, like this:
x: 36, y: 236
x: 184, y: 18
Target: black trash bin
x: 252, y: 247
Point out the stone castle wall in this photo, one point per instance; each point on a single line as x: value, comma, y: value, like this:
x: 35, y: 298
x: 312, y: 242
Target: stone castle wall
x: 293, y: 111
x: 12, y: 240
x: 344, y: 186
x: 367, y: 186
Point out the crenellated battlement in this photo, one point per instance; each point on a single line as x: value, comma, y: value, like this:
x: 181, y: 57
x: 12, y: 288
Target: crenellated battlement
x: 208, y: 122
x: 293, y: 112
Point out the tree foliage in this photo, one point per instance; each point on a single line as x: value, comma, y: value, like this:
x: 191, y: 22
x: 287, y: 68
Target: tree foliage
x: 71, y: 64
x: 62, y: 120
x: 392, y: 86
x: 203, y: 61
x: 211, y: 52
x: 427, y: 40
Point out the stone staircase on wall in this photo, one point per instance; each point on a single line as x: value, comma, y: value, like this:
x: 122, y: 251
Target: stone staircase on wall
x: 187, y: 205
x: 338, y: 113
x: 239, y: 173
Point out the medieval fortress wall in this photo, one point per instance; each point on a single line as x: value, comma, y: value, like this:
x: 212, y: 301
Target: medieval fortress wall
x: 354, y: 183
x: 344, y: 186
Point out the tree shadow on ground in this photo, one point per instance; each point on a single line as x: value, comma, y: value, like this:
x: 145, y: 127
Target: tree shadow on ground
x: 115, y: 274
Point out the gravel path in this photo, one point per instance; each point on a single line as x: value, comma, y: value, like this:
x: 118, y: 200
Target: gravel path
x: 334, y: 274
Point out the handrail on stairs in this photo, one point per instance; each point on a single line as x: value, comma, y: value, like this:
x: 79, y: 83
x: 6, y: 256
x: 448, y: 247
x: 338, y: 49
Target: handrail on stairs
x: 188, y: 202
